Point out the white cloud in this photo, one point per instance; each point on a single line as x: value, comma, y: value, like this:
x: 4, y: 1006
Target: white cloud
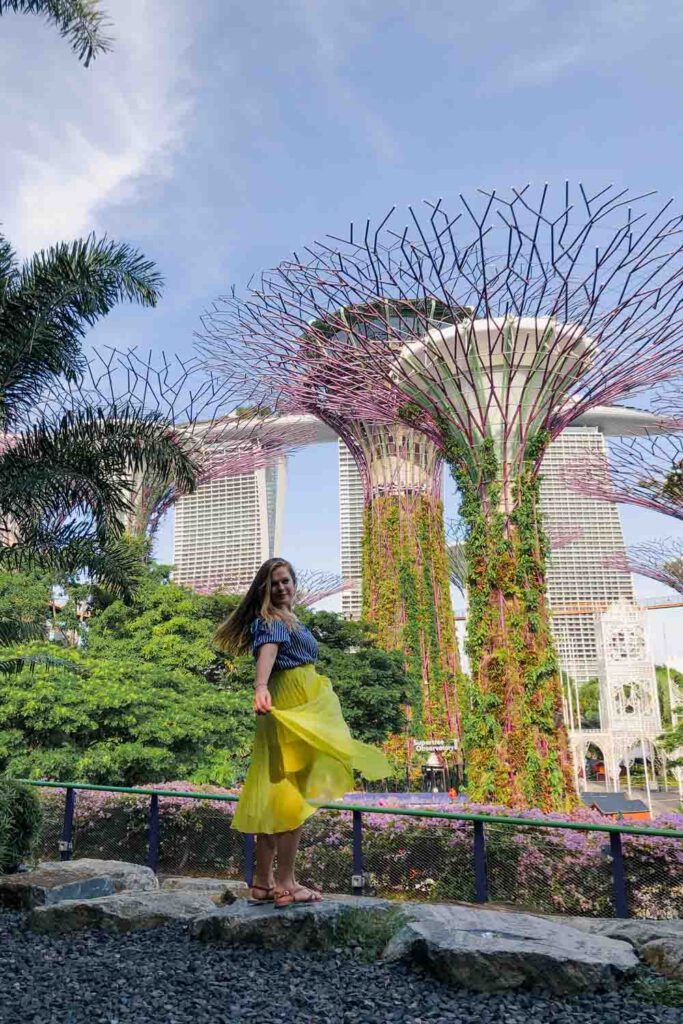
x: 76, y: 141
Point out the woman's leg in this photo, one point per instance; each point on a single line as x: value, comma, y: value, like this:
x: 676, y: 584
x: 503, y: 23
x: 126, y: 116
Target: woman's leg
x: 263, y: 868
x: 287, y: 844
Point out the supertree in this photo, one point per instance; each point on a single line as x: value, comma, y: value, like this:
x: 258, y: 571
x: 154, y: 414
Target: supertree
x: 490, y: 331
x: 313, y: 586
x: 405, y: 576
x: 660, y: 560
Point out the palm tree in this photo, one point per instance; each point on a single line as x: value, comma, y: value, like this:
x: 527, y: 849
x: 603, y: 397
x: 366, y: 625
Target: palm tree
x: 66, y: 475
x: 82, y: 22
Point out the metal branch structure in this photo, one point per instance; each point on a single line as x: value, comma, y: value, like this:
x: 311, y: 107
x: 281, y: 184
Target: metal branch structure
x: 660, y: 560
x: 645, y: 471
x: 489, y: 329
x: 313, y: 586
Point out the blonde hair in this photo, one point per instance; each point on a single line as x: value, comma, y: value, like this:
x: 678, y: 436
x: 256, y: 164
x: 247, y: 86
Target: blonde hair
x: 234, y: 635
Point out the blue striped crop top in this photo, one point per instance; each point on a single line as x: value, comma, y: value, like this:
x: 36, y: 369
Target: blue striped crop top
x: 296, y: 647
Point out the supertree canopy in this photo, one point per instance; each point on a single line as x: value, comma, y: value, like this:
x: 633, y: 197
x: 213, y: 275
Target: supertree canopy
x: 660, y: 560
x: 645, y: 471
x: 405, y: 575
x: 490, y: 330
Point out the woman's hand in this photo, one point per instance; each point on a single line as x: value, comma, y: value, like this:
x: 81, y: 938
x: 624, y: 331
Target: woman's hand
x: 262, y: 701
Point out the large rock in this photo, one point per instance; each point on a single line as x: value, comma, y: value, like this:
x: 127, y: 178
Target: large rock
x: 44, y: 886
x: 636, y: 931
x: 87, y: 878
x: 665, y: 955
x: 125, y: 877
x: 124, y: 912
x: 491, y: 951
x: 307, y: 926
x: 220, y: 890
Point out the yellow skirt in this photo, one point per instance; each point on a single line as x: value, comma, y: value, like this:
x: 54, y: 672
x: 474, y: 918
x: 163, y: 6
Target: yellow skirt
x: 303, y: 755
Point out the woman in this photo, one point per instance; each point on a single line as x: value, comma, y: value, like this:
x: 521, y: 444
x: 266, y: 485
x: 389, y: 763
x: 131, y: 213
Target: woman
x: 303, y: 752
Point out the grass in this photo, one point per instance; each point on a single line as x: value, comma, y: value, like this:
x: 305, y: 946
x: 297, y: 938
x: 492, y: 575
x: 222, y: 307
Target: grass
x: 653, y: 988
x: 368, y: 932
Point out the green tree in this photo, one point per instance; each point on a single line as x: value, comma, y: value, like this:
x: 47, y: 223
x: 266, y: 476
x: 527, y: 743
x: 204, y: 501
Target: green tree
x: 589, y: 697
x: 665, y: 694
x: 82, y: 22
x: 151, y: 701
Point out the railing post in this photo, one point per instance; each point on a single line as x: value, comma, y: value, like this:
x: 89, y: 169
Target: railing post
x: 358, y: 878
x: 249, y: 854
x: 618, y: 875
x: 153, y: 834
x: 481, y: 883
x: 65, y: 843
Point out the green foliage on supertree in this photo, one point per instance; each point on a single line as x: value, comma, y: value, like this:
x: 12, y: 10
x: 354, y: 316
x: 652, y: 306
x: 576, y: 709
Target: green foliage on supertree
x: 406, y: 595
x: 514, y: 737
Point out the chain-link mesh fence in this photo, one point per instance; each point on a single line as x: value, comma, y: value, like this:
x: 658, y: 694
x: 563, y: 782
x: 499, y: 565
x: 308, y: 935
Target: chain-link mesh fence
x: 654, y: 876
x: 546, y: 870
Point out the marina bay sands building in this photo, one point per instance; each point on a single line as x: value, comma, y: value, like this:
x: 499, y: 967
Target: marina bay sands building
x: 229, y: 526
x: 232, y: 524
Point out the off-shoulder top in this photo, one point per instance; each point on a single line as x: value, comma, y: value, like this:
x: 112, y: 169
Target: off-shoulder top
x: 296, y: 647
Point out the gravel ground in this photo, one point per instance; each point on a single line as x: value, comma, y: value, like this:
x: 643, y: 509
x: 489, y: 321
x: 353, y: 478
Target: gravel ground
x: 164, y: 977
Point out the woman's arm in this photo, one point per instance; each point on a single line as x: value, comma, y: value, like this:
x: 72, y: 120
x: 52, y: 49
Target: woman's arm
x: 265, y: 659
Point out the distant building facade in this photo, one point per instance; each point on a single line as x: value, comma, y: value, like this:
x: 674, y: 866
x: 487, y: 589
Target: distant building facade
x: 229, y: 527
x: 577, y: 576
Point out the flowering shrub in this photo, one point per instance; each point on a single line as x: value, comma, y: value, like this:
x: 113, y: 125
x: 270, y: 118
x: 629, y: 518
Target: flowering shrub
x: 545, y: 870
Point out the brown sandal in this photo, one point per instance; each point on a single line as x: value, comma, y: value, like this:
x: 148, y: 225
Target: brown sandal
x: 287, y: 898
x: 268, y: 898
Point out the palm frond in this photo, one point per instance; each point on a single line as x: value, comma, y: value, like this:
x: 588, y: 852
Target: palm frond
x: 8, y: 265
x: 115, y: 566
x: 13, y: 631
x: 82, y: 22
x: 83, y: 465
x: 48, y: 305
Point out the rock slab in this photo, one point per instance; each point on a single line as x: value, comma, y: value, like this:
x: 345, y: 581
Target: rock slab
x: 124, y: 912
x: 490, y: 951
x: 636, y: 931
x: 306, y: 927
x: 86, y: 878
x: 43, y: 887
x: 124, y: 876
x: 220, y: 890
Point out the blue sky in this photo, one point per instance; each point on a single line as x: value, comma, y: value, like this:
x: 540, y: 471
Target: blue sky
x: 219, y: 136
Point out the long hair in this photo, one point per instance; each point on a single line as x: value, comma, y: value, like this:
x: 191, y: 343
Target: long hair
x: 233, y: 636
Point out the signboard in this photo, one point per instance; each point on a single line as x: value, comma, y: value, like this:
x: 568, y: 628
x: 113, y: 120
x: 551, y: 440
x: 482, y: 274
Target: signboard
x: 436, y: 745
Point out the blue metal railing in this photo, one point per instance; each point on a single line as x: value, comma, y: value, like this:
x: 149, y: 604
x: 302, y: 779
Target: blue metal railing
x: 358, y: 881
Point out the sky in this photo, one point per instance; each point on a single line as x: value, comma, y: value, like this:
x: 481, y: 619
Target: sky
x: 220, y: 136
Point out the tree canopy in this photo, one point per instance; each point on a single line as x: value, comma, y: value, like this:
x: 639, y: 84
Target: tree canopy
x: 152, y: 701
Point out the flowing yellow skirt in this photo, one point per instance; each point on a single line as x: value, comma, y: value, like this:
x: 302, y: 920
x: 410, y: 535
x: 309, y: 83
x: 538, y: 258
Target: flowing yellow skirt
x: 303, y: 755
